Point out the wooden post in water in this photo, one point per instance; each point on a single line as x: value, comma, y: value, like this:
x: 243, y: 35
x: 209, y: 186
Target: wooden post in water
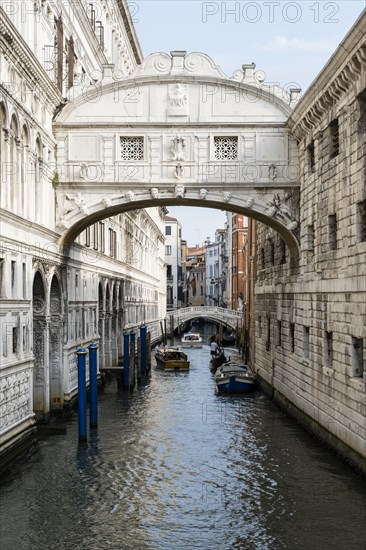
x: 93, y: 380
x: 126, y: 360
x: 132, y: 360
x: 143, y: 347
x: 138, y: 359
x: 148, y: 351
x: 81, y: 354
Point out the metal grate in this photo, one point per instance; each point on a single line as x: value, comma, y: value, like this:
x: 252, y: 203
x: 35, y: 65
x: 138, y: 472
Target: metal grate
x: 226, y: 148
x: 132, y: 148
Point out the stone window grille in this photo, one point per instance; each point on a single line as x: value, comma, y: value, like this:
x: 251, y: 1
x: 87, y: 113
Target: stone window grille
x: 361, y: 221
x: 332, y: 226
x: 328, y: 351
x: 292, y: 337
x: 334, y: 138
x: 132, y: 148
x: 226, y: 147
x: 311, y: 156
x: 279, y: 333
x: 358, y: 364
x: 305, y: 341
x: 282, y: 251
x: 15, y: 340
x: 268, y: 341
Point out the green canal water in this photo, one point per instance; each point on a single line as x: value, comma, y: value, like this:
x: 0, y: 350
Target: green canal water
x: 174, y: 466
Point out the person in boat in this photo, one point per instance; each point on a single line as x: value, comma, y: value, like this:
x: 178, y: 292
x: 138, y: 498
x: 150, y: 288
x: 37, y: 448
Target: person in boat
x: 214, y: 348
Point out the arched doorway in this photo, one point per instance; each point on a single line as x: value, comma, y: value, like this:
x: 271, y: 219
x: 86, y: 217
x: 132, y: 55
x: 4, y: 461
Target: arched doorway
x: 40, y: 379
x: 55, y: 346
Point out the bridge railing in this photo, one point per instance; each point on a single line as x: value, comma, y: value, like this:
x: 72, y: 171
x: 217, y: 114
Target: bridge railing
x: 207, y: 309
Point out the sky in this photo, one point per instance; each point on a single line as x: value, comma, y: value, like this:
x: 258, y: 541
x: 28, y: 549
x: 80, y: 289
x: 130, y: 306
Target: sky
x: 289, y: 41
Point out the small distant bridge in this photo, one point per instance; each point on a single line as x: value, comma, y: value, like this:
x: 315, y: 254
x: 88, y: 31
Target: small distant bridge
x: 227, y: 317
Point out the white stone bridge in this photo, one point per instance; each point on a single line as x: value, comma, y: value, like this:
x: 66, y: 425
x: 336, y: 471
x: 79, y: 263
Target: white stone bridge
x: 178, y: 132
x: 228, y: 317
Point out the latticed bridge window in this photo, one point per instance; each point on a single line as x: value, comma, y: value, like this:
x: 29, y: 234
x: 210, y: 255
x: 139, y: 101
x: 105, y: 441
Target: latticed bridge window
x: 226, y: 148
x: 132, y: 148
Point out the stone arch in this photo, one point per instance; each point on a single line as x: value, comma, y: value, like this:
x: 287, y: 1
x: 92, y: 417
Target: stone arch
x: 55, y: 344
x: 40, y: 346
x: 259, y: 209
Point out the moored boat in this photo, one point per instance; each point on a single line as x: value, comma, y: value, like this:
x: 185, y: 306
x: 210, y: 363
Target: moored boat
x: 217, y: 360
x: 171, y: 359
x: 235, y: 377
x: 191, y: 340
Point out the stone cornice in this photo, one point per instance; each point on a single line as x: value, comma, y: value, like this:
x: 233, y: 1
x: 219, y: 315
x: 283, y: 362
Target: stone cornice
x: 17, y: 221
x: 342, y: 71
x: 130, y: 30
x: 12, y: 44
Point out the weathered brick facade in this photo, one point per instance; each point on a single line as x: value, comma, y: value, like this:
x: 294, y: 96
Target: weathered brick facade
x: 310, y: 340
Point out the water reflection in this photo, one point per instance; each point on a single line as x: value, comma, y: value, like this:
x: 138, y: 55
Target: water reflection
x: 173, y: 465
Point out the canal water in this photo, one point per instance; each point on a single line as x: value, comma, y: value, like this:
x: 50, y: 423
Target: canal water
x: 174, y: 466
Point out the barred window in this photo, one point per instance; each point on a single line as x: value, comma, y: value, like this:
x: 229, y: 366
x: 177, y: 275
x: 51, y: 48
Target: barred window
x: 132, y: 148
x: 226, y: 148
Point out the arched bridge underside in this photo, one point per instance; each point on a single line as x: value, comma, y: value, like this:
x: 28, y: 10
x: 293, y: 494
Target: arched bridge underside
x: 228, y: 317
x: 177, y: 132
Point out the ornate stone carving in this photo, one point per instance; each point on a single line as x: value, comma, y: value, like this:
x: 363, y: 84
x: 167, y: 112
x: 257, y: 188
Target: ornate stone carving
x: 154, y: 193
x: 272, y: 172
x: 249, y: 202
x: 203, y: 193
x: 179, y: 171
x: 79, y: 203
x: 179, y: 191
x: 178, y: 100
x: 292, y: 226
x: 130, y: 196
x: 226, y: 195
x: 107, y: 202
x: 63, y: 223
x: 178, y: 147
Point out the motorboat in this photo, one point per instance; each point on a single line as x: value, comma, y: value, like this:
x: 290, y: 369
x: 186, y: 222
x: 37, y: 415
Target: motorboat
x: 191, y: 340
x: 235, y: 377
x: 171, y: 359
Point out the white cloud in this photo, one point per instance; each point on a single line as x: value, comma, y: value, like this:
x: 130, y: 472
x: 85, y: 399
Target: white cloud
x: 282, y: 43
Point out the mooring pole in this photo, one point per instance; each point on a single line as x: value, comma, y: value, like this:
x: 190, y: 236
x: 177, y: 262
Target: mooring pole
x: 143, y: 344
x: 93, y: 380
x: 81, y: 353
x: 133, y: 354
x: 126, y: 360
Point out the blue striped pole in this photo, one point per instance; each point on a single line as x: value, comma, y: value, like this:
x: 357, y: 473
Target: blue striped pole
x: 93, y: 378
x: 126, y: 359
x: 133, y: 342
x: 143, y: 332
x: 81, y: 353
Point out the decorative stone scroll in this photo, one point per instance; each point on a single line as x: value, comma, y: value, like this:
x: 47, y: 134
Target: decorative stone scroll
x: 178, y: 147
